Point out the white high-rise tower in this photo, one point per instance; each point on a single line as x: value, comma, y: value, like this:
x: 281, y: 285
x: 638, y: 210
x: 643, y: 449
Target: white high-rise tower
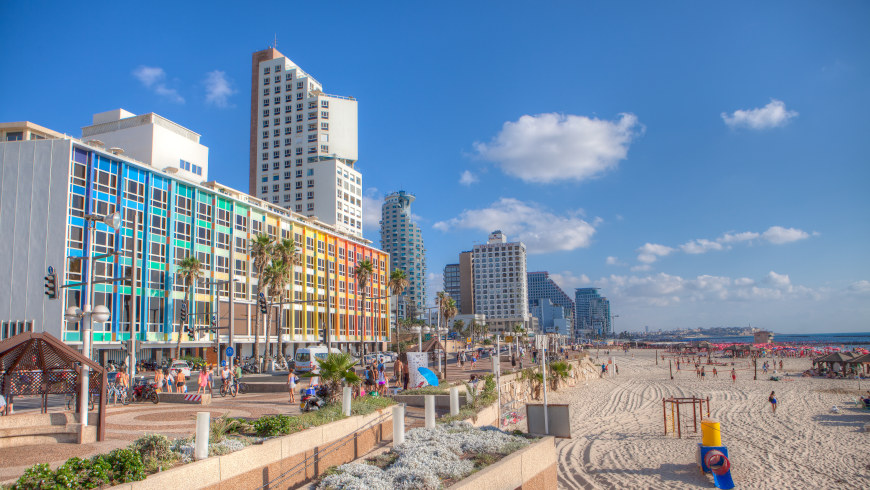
x: 303, y: 144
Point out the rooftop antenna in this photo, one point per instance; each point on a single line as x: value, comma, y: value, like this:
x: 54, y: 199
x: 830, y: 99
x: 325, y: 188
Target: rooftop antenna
x: 275, y: 45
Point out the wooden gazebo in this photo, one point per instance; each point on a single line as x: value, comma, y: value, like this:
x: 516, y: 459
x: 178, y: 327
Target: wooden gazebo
x: 833, y: 359
x: 861, y: 364
x: 38, y: 364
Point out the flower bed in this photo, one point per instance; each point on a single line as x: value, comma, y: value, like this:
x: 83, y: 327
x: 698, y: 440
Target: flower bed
x: 428, y: 459
x: 154, y: 453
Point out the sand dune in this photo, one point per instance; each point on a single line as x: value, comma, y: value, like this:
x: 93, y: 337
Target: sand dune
x: 618, y: 439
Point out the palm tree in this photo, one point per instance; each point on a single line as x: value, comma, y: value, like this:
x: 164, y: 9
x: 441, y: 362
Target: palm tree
x: 287, y: 252
x: 363, y: 273
x: 519, y: 331
x: 460, y: 328
x: 336, y: 370
x: 398, y: 283
x: 275, y: 278
x: 261, y: 252
x: 190, y: 270
x: 450, y: 311
x: 479, y: 329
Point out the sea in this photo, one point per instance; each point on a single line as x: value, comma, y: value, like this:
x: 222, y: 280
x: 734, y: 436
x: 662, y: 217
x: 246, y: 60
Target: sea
x: 850, y: 340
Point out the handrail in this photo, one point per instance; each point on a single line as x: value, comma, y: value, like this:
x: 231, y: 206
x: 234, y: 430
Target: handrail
x: 320, y: 454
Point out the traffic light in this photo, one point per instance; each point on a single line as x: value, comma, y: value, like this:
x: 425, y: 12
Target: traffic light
x: 183, y: 312
x: 262, y: 303
x: 51, y: 285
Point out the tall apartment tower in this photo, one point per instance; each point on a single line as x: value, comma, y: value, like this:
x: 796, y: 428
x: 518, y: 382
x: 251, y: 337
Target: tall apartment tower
x: 303, y: 144
x: 466, y: 283
x: 500, y: 282
x: 592, y: 313
x: 452, y: 284
x: 401, y: 238
x: 541, y: 288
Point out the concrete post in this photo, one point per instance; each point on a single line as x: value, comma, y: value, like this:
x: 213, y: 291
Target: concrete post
x: 346, y: 397
x: 430, y: 411
x: 200, y: 448
x: 398, y: 424
x: 454, y: 400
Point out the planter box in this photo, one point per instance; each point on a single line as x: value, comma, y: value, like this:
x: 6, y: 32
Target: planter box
x: 531, y: 467
x: 306, y: 454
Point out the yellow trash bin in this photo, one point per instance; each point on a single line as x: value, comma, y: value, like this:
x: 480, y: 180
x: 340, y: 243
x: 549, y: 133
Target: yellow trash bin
x: 710, y: 433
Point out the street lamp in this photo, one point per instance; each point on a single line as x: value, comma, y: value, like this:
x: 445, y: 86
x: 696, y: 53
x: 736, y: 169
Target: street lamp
x: 90, y: 314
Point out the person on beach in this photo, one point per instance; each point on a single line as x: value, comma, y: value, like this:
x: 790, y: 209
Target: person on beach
x: 291, y: 385
x: 616, y: 367
x: 703, y: 373
x: 772, y: 400
x: 715, y: 373
x: 733, y: 376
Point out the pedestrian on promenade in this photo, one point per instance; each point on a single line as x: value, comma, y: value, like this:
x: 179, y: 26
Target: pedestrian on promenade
x: 473, y: 360
x: 397, y: 371
x: 158, y: 380
x: 406, y: 375
x: 291, y: 385
x: 179, y: 382
x: 203, y: 381
x: 170, y: 381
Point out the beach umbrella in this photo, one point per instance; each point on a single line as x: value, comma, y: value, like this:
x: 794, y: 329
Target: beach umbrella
x: 428, y: 375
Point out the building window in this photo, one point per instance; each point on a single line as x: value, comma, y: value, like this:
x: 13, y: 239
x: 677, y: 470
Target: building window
x: 323, y: 103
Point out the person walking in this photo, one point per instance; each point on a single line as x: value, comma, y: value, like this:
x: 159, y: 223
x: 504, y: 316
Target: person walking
x: 179, y: 382
x: 158, y: 380
x: 703, y: 374
x: 397, y: 371
x: 291, y: 385
x: 382, y: 380
x: 733, y: 376
x: 202, y: 382
x: 170, y: 381
x: 406, y: 375
x: 772, y: 400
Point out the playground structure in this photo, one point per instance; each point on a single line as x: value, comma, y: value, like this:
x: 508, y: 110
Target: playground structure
x: 713, y: 456
x: 675, y: 416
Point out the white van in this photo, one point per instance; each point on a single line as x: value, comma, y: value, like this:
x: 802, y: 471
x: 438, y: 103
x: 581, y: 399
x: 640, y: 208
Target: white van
x: 306, y: 357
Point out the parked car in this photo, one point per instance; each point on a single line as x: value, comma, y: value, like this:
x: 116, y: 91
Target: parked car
x: 306, y: 357
x: 182, y: 365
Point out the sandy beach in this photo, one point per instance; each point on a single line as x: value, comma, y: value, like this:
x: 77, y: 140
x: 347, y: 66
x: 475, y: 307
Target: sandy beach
x: 619, y: 442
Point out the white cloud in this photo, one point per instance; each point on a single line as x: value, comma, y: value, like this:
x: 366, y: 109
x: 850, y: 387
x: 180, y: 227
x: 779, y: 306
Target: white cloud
x: 641, y: 268
x: 700, y: 246
x: 528, y: 222
x: 568, y: 281
x: 860, y: 287
x: 737, y: 237
x: 218, y: 89
x: 650, y: 252
x: 779, y: 235
x: 371, y: 208
x: 613, y: 261
x: 552, y: 147
x: 152, y: 77
x: 467, y: 178
x: 662, y: 289
x: 770, y: 116
x: 776, y: 235
x: 778, y: 280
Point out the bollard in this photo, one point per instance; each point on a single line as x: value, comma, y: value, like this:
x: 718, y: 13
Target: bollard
x: 454, y: 400
x: 469, y: 397
x: 200, y: 448
x: 430, y: 411
x: 398, y: 424
x: 346, y: 397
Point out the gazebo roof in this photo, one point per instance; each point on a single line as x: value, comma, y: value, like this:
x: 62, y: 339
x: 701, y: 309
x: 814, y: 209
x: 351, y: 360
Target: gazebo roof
x: 428, y: 346
x: 31, y: 351
x: 863, y: 359
x: 840, y: 357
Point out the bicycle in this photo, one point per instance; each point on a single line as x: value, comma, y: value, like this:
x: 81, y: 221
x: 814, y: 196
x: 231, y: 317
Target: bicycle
x: 236, y: 387
x: 119, y: 393
x: 71, y: 402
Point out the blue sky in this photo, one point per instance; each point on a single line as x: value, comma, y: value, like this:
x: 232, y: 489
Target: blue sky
x: 704, y: 163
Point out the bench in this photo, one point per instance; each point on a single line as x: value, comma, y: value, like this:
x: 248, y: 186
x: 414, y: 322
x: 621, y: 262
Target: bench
x: 30, y: 429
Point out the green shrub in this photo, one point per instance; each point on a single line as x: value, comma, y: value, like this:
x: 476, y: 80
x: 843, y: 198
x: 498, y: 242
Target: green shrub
x: 272, y: 425
x: 98, y: 470
x: 126, y: 465
x: 36, y: 477
x: 153, y: 447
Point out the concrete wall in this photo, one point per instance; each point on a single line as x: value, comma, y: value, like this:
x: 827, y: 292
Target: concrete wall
x: 260, y: 464
x: 531, y: 468
x: 34, y: 189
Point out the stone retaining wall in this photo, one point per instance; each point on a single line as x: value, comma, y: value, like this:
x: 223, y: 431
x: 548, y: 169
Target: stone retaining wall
x: 257, y: 465
x: 530, y: 468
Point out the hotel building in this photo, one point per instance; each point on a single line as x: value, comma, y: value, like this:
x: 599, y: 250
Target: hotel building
x: 593, y: 313
x: 401, y: 238
x: 303, y: 144
x: 49, y: 185
x: 543, y: 290
x: 500, y: 283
